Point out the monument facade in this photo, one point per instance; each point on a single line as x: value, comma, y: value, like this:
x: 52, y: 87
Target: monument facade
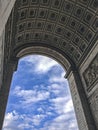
x: 66, y: 30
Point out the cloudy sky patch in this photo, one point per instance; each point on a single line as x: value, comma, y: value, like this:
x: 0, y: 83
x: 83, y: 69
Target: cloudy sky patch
x: 39, y: 97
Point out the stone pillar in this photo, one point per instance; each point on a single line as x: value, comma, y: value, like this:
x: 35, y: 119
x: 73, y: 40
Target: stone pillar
x: 89, y: 76
x: 2, y: 38
x: 4, y: 90
x: 5, y: 10
x: 81, y: 106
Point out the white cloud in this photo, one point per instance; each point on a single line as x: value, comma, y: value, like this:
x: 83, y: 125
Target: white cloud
x: 59, y: 89
x: 10, y: 122
x: 38, y: 118
x: 68, y: 107
x: 41, y: 64
x: 30, y: 96
x: 60, y: 103
x: 59, y: 78
x: 61, y: 122
x: 15, y: 121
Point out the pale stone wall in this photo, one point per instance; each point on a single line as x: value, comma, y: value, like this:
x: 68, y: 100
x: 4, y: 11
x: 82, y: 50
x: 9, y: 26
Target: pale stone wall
x: 80, y: 104
x: 85, y: 65
x: 1, y: 55
x: 83, y: 113
x: 89, y: 76
x: 93, y: 99
x: 77, y: 103
x: 5, y: 9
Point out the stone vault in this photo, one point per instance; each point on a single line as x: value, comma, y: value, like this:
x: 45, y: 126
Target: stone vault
x: 66, y: 30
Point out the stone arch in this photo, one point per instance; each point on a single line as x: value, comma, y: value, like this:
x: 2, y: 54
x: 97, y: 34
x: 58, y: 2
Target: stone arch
x: 47, y: 52
x: 70, y: 26
x: 67, y: 28
x: 80, y: 103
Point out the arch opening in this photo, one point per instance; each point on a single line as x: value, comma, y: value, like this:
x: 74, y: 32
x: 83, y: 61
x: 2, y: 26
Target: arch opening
x: 71, y: 27
x: 47, y: 51
x: 44, y: 92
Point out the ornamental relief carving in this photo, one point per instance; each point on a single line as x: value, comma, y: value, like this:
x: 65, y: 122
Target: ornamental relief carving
x: 93, y: 100
x: 78, y: 106
x: 91, y: 74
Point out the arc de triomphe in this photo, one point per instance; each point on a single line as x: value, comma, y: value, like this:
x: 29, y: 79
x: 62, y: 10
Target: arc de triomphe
x: 66, y: 30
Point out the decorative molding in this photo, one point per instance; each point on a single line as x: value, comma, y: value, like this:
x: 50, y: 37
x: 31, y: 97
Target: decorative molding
x: 91, y: 74
x: 70, y: 26
x: 47, y: 52
x: 93, y: 100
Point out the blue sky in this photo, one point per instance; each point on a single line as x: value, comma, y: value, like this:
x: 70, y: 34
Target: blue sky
x: 39, y: 97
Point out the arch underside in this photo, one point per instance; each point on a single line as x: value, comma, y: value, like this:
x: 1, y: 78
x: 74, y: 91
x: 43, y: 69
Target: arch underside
x: 65, y: 30
x: 47, y: 52
x: 68, y: 26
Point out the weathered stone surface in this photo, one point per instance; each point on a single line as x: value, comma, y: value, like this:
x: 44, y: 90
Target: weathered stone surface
x: 91, y: 86
x: 5, y: 9
x: 77, y: 104
x: 1, y: 56
x: 83, y: 113
x: 93, y: 99
x: 84, y: 67
x: 91, y: 73
x: 69, y: 28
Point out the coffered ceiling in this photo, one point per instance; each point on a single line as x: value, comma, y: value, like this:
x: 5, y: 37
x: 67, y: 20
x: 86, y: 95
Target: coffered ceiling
x: 70, y: 26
